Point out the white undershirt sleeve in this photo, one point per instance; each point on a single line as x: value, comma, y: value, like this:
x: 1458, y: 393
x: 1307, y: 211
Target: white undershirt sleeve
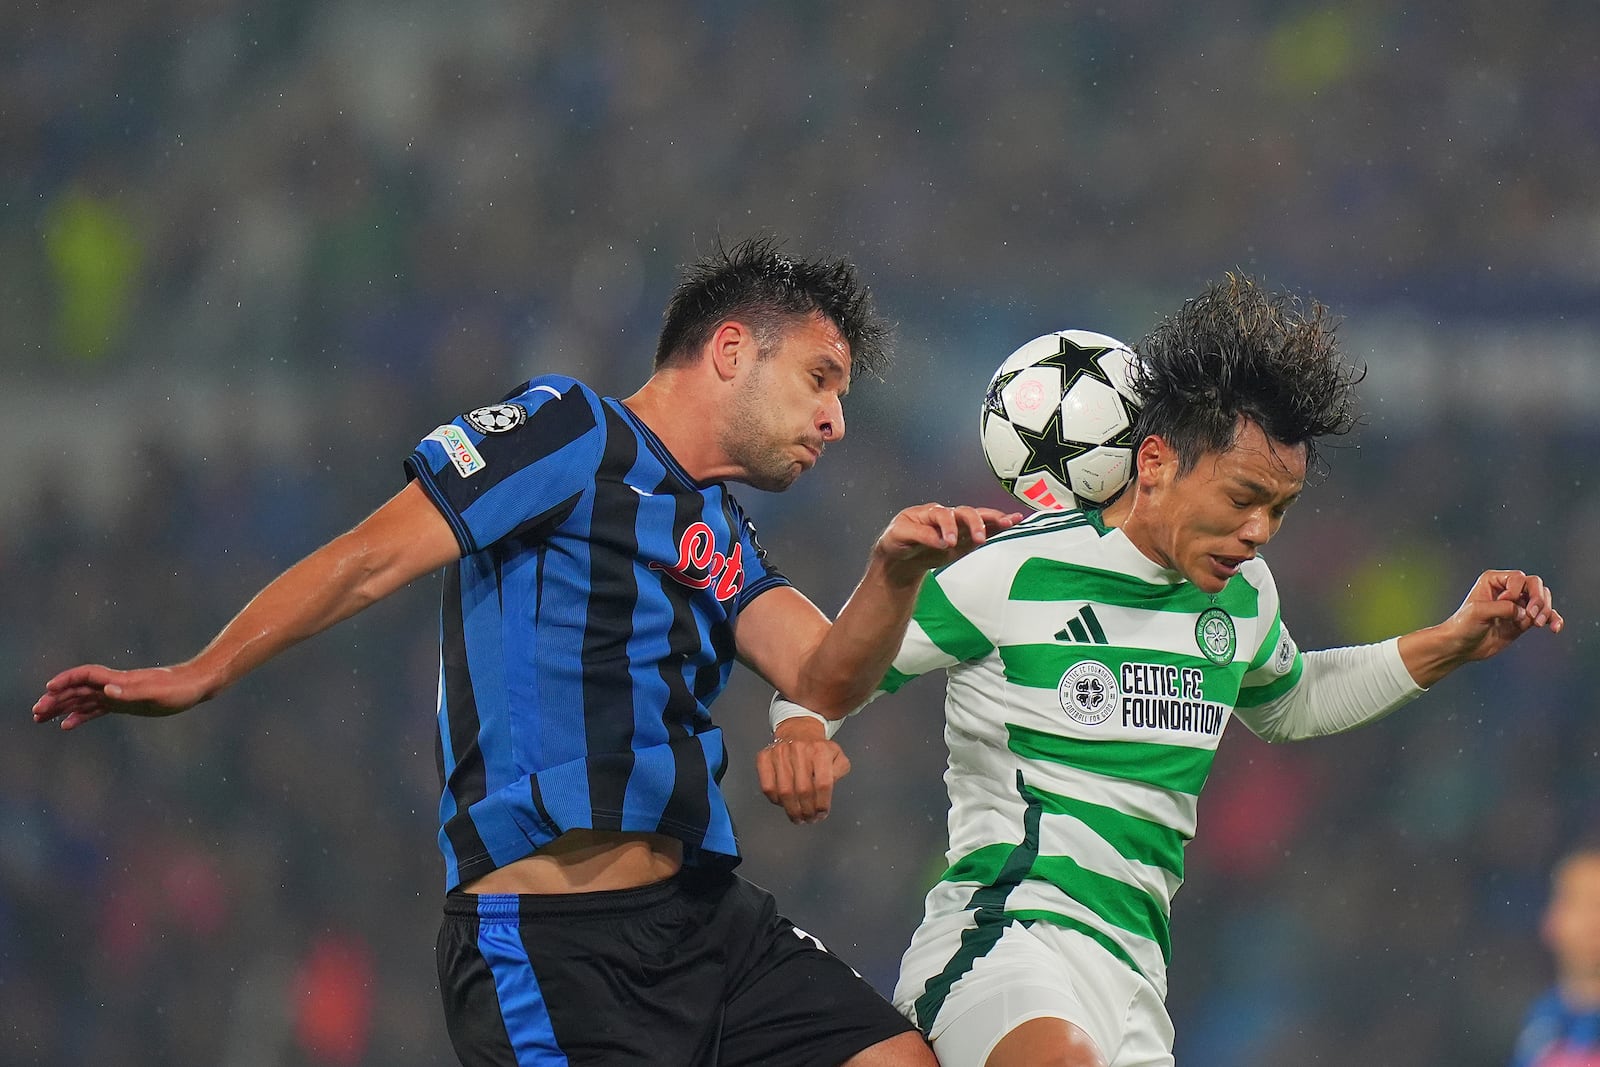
x: 783, y: 708
x: 1339, y: 689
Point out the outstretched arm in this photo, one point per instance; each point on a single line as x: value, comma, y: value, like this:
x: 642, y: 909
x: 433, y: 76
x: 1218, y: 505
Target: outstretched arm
x: 835, y: 668
x: 1501, y: 607
x: 832, y: 668
x: 1342, y: 688
x: 404, y: 539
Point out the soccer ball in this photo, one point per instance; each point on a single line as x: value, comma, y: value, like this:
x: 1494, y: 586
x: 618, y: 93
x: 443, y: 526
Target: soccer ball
x: 1058, y: 420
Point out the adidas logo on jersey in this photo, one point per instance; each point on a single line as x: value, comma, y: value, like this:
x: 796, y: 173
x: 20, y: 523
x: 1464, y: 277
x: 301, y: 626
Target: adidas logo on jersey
x: 1083, y: 628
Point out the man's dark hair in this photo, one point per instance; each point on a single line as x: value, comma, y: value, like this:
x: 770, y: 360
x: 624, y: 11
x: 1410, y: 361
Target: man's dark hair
x: 756, y: 283
x: 1240, y: 350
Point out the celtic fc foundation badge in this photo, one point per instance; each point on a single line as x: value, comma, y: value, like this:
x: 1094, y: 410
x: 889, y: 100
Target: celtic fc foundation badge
x: 1089, y: 692
x: 1213, y: 632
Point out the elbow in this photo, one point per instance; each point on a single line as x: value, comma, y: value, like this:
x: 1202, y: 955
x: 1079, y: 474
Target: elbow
x: 830, y: 697
x: 364, y: 589
x: 1273, y: 731
x: 1288, y: 731
x: 1293, y: 731
x: 364, y: 579
x: 831, y: 702
x: 820, y: 685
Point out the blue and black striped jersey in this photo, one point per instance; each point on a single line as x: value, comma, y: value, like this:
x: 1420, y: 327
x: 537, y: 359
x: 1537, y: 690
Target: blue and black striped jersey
x: 585, y: 630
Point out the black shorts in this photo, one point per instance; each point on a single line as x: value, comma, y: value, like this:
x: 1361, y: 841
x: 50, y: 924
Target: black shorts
x: 697, y: 971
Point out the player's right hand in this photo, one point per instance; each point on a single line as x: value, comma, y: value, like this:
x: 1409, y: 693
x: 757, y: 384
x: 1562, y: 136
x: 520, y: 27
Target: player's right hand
x: 928, y: 536
x: 798, y: 770
x: 83, y: 694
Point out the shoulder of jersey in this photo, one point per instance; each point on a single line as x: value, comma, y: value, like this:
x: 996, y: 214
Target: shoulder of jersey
x: 1256, y: 571
x: 1044, y: 533
x: 1075, y: 525
x: 559, y: 389
x: 552, y: 385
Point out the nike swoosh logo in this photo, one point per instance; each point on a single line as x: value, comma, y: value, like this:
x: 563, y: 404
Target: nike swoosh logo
x: 641, y: 492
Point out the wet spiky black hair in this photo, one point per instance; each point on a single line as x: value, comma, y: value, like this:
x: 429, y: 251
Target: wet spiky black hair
x: 1238, y: 351
x: 756, y: 282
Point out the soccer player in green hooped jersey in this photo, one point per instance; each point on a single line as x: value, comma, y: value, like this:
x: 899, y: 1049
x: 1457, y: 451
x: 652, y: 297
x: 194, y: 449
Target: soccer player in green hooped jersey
x: 1093, y: 660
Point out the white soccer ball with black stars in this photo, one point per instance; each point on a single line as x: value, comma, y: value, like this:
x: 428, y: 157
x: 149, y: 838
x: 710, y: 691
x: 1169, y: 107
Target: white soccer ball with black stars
x: 1058, y: 420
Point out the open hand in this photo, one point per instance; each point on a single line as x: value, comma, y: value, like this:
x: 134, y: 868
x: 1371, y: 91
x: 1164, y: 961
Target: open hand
x: 927, y: 536
x: 83, y: 694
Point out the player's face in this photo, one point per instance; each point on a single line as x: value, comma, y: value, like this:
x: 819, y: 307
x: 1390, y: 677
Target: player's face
x: 1572, y: 921
x: 789, y: 406
x: 1206, y: 522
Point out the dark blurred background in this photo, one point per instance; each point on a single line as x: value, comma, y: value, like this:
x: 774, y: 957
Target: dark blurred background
x: 250, y: 253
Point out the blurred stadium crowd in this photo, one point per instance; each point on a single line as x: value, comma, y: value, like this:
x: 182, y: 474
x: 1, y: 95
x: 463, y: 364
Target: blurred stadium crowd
x: 250, y: 253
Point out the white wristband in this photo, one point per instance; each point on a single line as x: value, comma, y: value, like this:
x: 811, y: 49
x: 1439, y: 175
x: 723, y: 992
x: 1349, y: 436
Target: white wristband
x: 781, y: 709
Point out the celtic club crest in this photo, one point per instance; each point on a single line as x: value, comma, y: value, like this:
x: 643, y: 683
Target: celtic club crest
x: 1214, y: 633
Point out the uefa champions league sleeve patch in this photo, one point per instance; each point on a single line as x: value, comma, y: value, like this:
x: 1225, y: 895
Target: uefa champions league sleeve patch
x: 497, y: 418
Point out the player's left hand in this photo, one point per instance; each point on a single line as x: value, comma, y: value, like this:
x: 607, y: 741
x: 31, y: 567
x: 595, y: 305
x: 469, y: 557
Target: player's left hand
x: 799, y: 768
x: 1501, y: 607
x: 927, y: 536
x: 88, y: 692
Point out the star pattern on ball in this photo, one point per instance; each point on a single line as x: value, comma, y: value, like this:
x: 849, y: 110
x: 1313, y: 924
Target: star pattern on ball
x: 1083, y: 451
x: 1072, y: 356
x: 1048, y: 450
x: 992, y: 402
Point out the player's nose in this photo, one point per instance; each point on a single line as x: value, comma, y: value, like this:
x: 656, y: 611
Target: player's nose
x: 1257, y: 529
x: 830, y: 420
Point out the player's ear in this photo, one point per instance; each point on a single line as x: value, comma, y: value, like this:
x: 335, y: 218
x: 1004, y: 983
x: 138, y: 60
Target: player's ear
x: 1153, y: 461
x: 732, y: 344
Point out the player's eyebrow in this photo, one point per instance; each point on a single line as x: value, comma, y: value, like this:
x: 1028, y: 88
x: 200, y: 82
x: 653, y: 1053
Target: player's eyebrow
x: 835, y: 367
x: 1261, y: 492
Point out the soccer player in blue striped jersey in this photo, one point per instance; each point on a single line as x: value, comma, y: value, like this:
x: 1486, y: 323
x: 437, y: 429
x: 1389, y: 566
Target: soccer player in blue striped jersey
x: 600, y: 581
x: 1093, y: 661
x: 1562, y: 1027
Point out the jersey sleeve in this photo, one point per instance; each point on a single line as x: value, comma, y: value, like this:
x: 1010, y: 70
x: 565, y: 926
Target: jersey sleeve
x: 1542, y: 1027
x: 955, y: 616
x: 1276, y: 663
x: 1287, y: 694
x: 759, y: 573
x: 517, y: 466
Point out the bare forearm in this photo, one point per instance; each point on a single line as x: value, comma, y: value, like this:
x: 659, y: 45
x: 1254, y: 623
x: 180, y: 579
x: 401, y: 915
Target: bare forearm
x: 853, y: 655
x: 327, y: 587
x: 1429, y: 654
x: 403, y: 539
x: 833, y: 668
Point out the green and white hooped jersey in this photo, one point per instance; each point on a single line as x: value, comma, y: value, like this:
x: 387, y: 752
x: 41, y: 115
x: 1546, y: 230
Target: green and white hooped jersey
x: 1088, y: 688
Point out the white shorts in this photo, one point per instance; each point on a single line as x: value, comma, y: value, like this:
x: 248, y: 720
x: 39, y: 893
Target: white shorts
x: 1032, y: 971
